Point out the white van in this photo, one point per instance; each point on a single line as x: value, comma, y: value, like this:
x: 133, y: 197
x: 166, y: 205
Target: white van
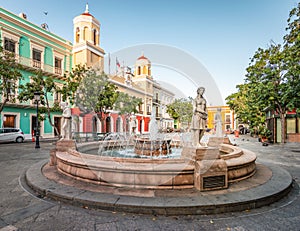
x: 11, y: 134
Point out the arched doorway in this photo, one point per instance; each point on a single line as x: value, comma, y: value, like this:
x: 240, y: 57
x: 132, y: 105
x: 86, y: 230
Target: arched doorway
x: 141, y: 126
x: 108, y: 124
x: 119, y: 124
x: 94, y: 124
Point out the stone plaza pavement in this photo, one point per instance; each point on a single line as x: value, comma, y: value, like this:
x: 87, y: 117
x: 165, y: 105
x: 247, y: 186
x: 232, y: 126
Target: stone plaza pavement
x: 21, y: 210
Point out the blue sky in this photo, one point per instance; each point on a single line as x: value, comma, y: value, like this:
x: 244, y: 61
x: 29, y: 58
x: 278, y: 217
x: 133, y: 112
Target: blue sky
x: 222, y: 34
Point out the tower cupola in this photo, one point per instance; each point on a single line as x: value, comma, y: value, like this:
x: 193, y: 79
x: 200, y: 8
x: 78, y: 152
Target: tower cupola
x: 86, y: 48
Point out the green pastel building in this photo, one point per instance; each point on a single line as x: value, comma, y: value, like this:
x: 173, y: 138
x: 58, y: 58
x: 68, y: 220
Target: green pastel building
x: 35, y: 48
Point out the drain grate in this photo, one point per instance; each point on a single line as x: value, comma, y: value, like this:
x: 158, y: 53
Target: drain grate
x: 210, y: 182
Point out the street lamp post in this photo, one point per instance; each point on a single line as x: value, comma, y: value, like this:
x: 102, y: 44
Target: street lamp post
x: 37, y: 97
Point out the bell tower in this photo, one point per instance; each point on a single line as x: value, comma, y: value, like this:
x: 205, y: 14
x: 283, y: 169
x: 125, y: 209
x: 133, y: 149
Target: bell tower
x: 86, y: 49
x: 143, y: 68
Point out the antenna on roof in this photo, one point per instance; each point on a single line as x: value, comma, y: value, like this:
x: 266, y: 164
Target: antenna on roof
x: 45, y: 26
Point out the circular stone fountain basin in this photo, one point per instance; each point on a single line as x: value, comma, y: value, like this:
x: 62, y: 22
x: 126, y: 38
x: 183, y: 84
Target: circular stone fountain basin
x: 148, y: 173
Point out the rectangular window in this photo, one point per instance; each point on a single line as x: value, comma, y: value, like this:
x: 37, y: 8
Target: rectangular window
x: 227, y: 118
x: 290, y: 125
x: 9, y: 45
x: 141, y: 109
x: 57, y: 97
x: 37, y: 58
x: 57, y: 65
x: 148, y: 109
x: 11, y: 87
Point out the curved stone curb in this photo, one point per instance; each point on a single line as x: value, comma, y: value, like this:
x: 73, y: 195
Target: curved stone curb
x: 274, y: 189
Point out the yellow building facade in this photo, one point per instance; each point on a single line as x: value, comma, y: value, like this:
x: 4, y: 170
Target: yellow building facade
x: 227, y: 116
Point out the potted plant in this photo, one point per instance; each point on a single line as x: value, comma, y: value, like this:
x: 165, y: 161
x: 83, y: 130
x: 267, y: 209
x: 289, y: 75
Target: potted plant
x: 264, y: 134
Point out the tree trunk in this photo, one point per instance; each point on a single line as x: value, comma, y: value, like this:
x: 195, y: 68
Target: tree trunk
x: 3, y: 104
x: 49, y: 118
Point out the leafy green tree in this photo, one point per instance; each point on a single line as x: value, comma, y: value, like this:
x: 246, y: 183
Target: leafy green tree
x: 181, y: 110
x: 247, y: 110
x: 273, y: 77
x: 292, y: 56
x: 127, y: 104
x: 45, y: 86
x: 269, y: 85
x: 9, y: 77
x: 96, y: 94
x: 72, y: 82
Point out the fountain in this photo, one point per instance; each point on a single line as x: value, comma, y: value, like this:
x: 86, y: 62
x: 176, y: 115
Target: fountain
x: 199, y: 167
x: 155, y: 144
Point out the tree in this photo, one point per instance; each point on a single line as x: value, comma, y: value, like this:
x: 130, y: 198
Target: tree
x: 127, y: 104
x: 9, y: 77
x: 45, y: 86
x: 181, y: 110
x: 273, y: 75
x: 292, y: 57
x: 265, y: 78
x: 72, y: 81
x: 246, y: 108
x: 96, y: 94
x: 273, y: 83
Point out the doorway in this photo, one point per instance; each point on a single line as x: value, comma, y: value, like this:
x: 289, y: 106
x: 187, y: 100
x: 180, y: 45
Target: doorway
x: 278, y: 130
x: 95, y: 124
x: 108, y: 126
x: 9, y: 121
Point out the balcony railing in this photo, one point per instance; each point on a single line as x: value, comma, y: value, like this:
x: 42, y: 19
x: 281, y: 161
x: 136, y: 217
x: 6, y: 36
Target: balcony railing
x: 58, y: 70
x: 37, y: 64
x: 31, y: 63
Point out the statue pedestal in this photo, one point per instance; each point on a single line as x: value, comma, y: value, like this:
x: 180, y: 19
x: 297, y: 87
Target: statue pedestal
x: 61, y: 146
x: 217, y: 141
x: 200, y: 153
x: 210, y: 170
x: 210, y: 175
x: 65, y: 145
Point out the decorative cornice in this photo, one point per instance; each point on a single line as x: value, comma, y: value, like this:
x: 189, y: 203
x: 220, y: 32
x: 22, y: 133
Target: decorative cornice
x: 86, y: 46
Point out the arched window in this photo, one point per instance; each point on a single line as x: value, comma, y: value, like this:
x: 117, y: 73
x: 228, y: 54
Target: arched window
x: 95, y: 37
x: 77, y: 34
x: 139, y: 70
x: 85, y: 33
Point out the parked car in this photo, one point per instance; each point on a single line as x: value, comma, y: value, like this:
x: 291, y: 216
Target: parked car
x: 11, y: 134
